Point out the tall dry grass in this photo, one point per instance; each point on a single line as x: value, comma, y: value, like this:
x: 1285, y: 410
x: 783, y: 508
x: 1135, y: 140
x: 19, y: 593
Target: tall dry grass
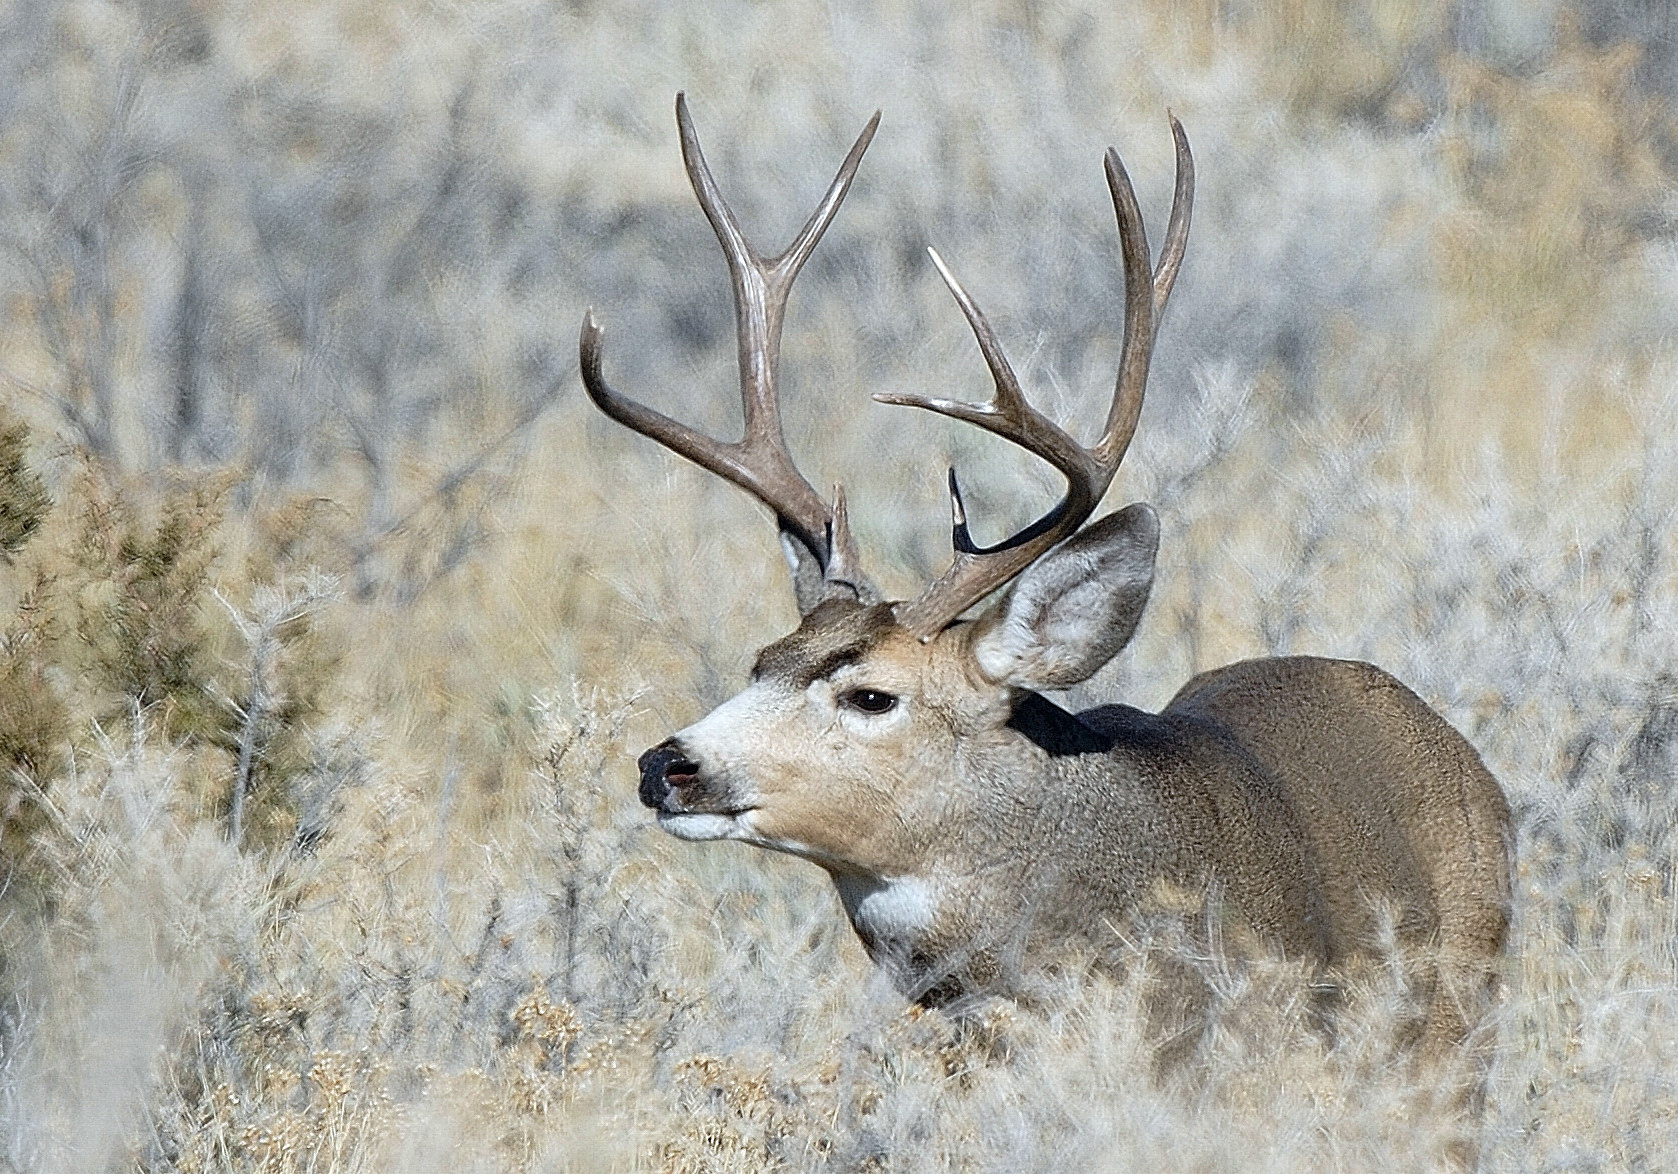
x: 321, y: 675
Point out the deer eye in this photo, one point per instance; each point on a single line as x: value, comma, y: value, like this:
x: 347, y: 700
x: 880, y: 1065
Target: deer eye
x: 868, y: 700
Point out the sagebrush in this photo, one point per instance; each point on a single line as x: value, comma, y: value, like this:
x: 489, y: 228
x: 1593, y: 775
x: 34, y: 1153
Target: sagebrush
x: 333, y: 616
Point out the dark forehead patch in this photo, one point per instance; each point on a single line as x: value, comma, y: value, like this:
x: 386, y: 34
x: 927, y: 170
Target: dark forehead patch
x: 835, y: 634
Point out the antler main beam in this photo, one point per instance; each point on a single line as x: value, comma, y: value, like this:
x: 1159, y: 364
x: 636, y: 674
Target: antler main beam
x: 759, y: 462
x: 1089, y: 472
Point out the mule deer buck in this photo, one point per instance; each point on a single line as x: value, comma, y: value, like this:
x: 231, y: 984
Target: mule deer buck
x: 971, y: 825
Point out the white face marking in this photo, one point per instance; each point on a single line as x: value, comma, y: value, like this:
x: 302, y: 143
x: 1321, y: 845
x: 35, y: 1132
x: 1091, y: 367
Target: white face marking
x: 724, y: 741
x: 717, y: 738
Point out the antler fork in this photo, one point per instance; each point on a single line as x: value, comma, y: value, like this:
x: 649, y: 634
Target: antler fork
x: 759, y: 462
x: 1089, y: 472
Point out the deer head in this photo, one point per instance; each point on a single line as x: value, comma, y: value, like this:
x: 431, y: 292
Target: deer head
x: 848, y: 744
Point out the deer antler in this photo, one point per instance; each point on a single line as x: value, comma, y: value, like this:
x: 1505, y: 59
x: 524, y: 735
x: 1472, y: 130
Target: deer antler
x: 976, y: 572
x: 759, y: 462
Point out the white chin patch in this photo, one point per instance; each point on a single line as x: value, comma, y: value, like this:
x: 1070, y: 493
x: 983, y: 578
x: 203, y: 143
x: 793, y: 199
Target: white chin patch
x: 694, y: 825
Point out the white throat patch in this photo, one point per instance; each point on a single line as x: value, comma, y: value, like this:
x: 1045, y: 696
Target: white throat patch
x: 888, y: 910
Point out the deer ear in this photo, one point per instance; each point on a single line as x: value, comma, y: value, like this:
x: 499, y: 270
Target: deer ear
x: 812, y: 585
x: 808, y: 583
x: 1072, y: 610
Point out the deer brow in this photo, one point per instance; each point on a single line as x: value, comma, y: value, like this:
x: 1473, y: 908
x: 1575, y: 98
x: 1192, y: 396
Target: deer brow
x: 796, y: 665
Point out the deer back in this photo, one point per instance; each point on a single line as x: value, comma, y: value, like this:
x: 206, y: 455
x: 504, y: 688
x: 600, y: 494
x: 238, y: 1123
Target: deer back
x: 1395, y: 810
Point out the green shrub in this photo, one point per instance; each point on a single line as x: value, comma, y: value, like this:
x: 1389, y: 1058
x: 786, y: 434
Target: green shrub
x: 34, y: 720
x: 34, y: 723
x: 141, y: 600
x: 24, y: 500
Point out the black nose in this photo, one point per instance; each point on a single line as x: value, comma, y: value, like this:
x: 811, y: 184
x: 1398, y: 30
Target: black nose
x: 664, y: 767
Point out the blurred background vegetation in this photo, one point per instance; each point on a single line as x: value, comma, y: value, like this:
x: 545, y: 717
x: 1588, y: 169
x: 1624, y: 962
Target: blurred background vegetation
x: 332, y: 615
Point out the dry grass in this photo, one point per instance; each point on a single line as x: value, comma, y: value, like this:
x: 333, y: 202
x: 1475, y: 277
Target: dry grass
x: 1414, y: 403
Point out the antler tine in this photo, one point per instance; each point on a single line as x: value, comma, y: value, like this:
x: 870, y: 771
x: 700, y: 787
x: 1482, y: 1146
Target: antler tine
x: 759, y: 462
x: 1009, y: 415
x: 1177, y: 228
x: 1089, y: 472
x: 1144, y: 302
x: 1138, y: 342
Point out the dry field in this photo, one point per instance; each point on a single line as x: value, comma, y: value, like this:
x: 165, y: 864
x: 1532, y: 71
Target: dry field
x: 333, y: 617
